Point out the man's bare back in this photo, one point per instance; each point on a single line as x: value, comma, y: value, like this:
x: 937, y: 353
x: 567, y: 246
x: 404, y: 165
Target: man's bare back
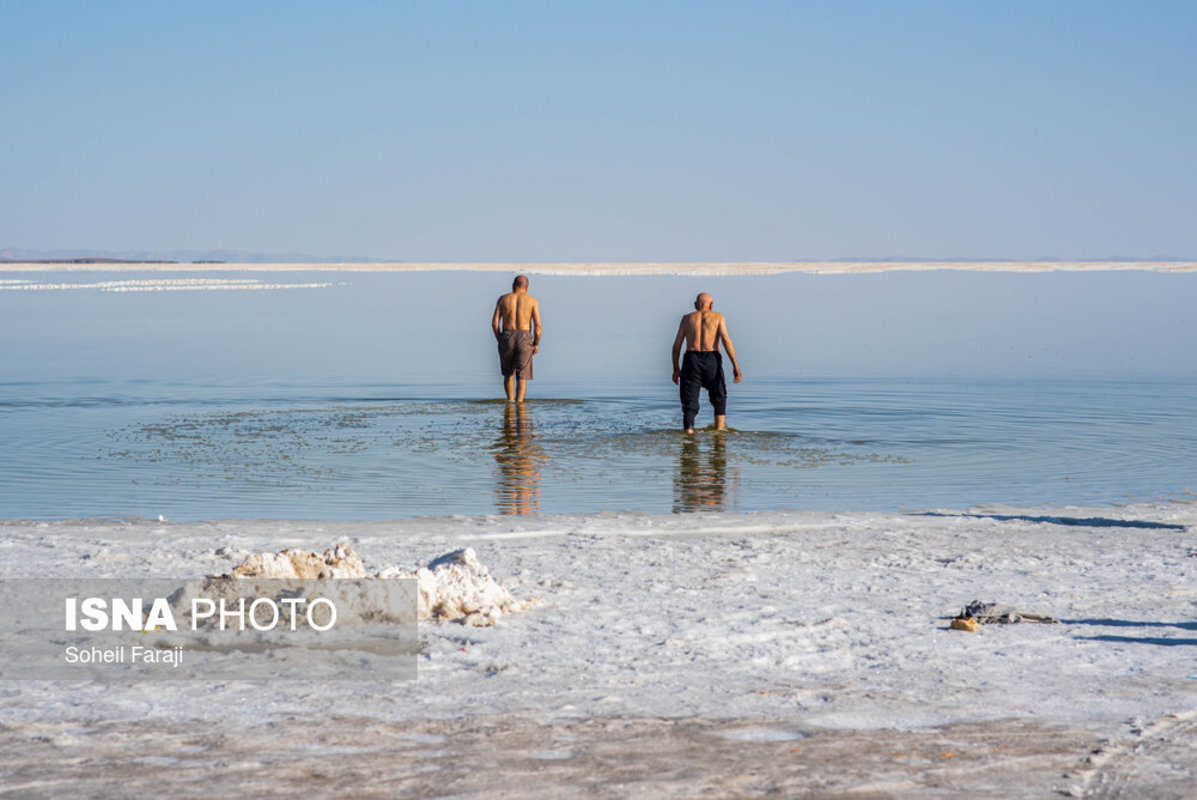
x: 701, y: 330
x: 517, y: 311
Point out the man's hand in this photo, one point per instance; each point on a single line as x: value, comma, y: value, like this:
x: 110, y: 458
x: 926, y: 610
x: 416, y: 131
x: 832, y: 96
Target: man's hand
x: 535, y: 349
x: 677, y: 376
x: 737, y: 377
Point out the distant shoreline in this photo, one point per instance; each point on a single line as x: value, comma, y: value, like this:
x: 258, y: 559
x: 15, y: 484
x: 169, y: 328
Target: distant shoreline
x: 609, y: 268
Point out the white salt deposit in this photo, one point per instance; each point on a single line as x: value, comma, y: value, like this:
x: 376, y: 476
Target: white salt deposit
x: 801, y: 620
x: 625, y: 268
x: 455, y: 586
x: 159, y: 285
x: 340, y: 561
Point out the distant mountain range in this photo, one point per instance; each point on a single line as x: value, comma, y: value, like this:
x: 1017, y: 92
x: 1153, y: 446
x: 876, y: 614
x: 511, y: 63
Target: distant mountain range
x: 11, y: 254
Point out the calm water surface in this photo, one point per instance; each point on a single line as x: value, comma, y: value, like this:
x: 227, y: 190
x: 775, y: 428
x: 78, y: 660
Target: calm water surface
x: 328, y: 403
x: 199, y: 452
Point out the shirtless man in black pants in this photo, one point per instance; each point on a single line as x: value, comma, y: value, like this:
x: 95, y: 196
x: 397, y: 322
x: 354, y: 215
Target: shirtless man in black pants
x: 703, y: 330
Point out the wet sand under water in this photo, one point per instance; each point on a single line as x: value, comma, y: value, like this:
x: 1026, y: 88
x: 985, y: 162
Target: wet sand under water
x: 509, y: 756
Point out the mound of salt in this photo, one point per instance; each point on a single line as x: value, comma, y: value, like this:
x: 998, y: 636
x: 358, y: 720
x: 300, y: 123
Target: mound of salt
x: 340, y: 561
x: 455, y: 586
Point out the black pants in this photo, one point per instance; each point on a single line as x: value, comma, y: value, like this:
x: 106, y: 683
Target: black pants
x: 702, y: 370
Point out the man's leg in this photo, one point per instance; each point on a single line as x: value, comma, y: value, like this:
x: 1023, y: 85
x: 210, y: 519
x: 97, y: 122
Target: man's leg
x: 717, y: 391
x: 689, y: 409
x: 523, y: 365
x: 690, y: 386
x: 506, y: 367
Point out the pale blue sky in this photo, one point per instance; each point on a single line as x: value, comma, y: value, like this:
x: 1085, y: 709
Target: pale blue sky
x: 588, y: 131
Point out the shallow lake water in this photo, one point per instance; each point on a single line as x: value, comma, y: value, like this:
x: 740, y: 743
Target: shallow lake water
x: 352, y: 396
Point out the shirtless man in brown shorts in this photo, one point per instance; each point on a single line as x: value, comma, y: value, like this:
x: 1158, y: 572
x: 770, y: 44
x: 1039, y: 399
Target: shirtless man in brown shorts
x: 703, y: 330
x: 516, y: 325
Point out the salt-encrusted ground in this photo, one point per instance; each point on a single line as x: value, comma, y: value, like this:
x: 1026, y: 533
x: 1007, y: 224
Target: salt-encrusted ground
x: 672, y: 655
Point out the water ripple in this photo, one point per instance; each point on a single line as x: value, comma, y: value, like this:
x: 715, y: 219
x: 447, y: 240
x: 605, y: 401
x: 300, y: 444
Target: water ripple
x: 197, y: 453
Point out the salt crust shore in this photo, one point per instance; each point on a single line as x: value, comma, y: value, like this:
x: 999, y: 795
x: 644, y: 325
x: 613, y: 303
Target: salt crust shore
x: 636, y: 268
x: 812, y: 647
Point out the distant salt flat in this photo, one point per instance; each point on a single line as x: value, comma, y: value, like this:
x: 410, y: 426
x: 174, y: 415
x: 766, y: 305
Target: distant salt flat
x: 631, y: 268
x: 160, y: 285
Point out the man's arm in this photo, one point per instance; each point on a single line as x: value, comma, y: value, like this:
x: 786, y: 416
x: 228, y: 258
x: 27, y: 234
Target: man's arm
x: 535, y: 326
x: 677, y: 350
x: 731, y: 351
x: 496, y: 319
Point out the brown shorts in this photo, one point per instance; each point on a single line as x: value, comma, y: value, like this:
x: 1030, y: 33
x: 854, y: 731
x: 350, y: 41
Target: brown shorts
x: 515, y: 354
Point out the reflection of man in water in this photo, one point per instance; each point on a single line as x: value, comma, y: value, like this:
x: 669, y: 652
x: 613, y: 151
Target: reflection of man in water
x: 700, y: 484
x: 518, y: 457
x: 703, y: 330
x: 516, y: 324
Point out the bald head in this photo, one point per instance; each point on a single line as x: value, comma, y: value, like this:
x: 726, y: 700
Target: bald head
x: 520, y: 282
x: 704, y: 302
